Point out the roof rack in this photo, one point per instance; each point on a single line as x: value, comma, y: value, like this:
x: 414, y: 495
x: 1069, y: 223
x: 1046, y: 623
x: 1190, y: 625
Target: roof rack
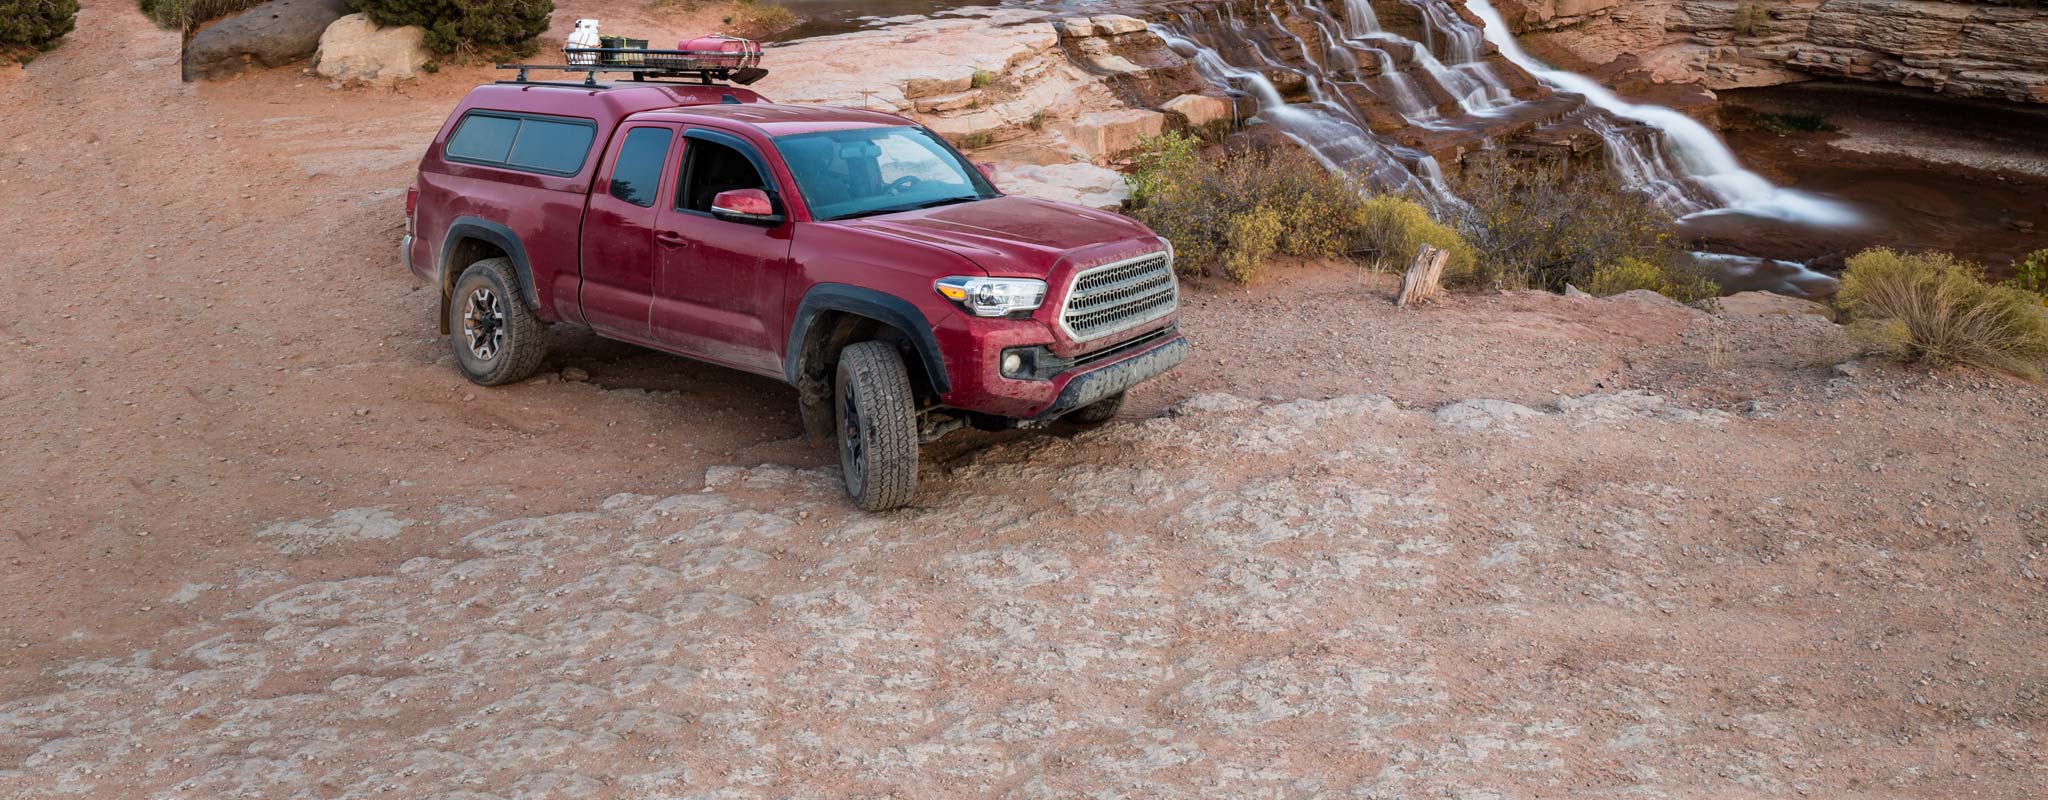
x: 705, y: 66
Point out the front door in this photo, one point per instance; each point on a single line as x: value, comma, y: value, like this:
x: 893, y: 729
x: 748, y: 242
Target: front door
x: 620, y: 258
x: 720, y: 289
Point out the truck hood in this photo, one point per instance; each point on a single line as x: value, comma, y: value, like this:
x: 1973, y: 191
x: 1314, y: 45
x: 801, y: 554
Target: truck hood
x: 1018, y: 237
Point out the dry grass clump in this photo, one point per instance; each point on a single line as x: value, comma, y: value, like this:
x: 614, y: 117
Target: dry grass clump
x: 1396, y: 228
x: 1928, y: 307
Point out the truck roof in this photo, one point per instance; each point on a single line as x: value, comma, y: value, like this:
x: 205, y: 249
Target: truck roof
x: 777, y: 119
x: 608, y: 101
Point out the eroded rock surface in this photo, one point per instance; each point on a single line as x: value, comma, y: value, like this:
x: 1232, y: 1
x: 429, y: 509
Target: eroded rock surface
x: 1240, y: 599
x: 1968, y: 48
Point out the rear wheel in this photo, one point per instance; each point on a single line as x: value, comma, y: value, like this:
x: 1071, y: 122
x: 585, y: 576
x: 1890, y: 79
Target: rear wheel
x: 497, y: 339
x: 876, y: 419
x: 1098, y: 412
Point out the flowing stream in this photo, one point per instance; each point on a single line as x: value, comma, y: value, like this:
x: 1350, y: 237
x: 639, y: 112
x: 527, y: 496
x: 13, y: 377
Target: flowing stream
x: 1674, y: 159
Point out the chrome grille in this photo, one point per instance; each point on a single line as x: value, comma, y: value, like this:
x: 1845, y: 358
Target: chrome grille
x: 1120, y: 296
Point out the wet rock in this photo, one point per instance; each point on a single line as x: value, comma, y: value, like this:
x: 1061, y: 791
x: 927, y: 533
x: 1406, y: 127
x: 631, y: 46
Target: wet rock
x: 356, y: 50
x: 1198, y: 110
x: 270, y: 35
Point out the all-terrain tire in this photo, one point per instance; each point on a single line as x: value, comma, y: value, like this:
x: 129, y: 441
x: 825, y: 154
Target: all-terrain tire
x: 876, y: 425
x: 1098, y: 412
x: 496, y: 338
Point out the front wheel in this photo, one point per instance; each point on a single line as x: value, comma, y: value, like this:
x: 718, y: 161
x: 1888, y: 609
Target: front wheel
x: 877, y: 426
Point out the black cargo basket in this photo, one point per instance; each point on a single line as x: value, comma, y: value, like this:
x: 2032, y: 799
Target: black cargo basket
x: 643, y: 63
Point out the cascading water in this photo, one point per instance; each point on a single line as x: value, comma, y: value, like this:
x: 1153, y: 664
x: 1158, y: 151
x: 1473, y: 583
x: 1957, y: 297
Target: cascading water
x: 1333, y: 70
x: 1331, y: 131
x: 1445, y: 84
x: 1688, y: 169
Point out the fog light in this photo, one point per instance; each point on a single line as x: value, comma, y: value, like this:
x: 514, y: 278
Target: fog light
x: 1012, y: 364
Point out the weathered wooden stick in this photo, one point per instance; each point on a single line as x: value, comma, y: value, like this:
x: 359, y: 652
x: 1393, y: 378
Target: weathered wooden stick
x: 1425, y: 277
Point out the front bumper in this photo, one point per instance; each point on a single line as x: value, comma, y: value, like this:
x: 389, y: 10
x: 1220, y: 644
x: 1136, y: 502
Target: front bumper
x: 1100, y: 383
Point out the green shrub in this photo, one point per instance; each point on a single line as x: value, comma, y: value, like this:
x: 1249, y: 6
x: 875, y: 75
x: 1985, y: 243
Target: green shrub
x: 2030, y: 274
x: 1752, y: 18
x: 467, y: 26
x: 184, y: 15
x: 1536, y: 225
x: 1157, y: 159
x: 1929, y: 307
x: 1669, y: 278
x: 1396, y: 228
x: 1230, y: 214
x: 28, y: 27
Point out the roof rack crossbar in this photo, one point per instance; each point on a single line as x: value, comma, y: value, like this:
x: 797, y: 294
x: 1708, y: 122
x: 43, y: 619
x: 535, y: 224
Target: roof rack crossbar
x: 643, y: 64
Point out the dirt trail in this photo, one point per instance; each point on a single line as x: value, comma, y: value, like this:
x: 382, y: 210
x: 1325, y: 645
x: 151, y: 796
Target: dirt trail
x: 263, y: 538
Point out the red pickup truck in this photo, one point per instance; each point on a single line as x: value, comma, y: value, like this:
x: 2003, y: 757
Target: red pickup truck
x: 853, y: 254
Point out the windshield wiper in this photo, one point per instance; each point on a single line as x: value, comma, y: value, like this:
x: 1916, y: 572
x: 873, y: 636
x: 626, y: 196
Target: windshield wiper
x: 944, y: 201
x: 947, y: 201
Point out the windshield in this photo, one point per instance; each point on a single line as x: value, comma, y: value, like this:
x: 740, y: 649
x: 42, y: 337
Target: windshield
x: 868, y: 171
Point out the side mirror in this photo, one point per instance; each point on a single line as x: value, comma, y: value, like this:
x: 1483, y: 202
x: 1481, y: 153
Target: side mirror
x: 745, y: 205
x: 987, y: 170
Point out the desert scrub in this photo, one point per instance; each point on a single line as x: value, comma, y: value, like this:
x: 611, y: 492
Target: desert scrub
x: 28, y: 27
x: 1672, y: 278
x: 1394, y: 229
x: 1535, y: 224
x: 467, y: 26
x: 2030, y: 274
x: 1929, y: 307
x: 1230, y: 214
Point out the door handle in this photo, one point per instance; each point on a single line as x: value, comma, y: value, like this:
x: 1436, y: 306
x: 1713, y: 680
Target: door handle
x: 669, y: 239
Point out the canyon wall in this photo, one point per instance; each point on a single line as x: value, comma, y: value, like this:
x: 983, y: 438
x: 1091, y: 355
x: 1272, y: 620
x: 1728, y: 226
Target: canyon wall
x: 1995, y: 49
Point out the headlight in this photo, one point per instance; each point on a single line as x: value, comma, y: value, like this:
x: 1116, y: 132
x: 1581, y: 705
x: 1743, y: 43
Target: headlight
x: 992, y: 297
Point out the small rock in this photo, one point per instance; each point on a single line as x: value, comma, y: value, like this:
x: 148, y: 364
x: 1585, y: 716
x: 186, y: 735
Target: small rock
x: 1849, y: 369
x: 574, y: 375
x: 1574, y: 291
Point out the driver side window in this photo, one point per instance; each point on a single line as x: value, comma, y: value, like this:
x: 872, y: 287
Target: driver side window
x: 710, y: 168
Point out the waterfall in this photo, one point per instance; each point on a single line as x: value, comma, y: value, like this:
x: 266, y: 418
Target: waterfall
x: 1689, y: 169
x: 1329, y: 129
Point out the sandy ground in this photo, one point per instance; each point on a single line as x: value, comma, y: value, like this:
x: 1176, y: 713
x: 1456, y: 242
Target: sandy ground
x: 264, y: 541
